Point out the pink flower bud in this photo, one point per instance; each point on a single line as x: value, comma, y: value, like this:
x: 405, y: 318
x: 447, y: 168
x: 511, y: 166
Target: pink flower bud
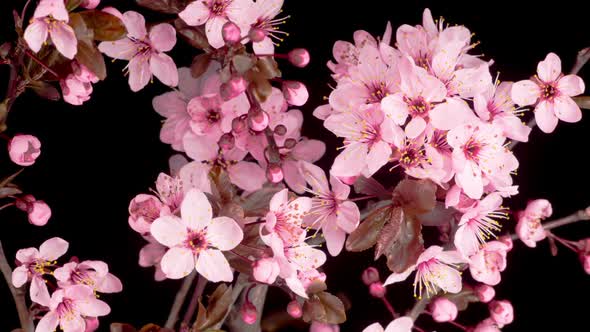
x: 238, y: 125
x: 585, y: 259
x: 370, y: 275
x: 91, y: 324
x: 295, y: 93
x: 280, y: 130
x: 266, y: 270
x: 487, y: 325
x: 349, y: 180
x: 24, y: 203
x: 290, y: 143
x: 507, y: 240
x: 321, y: 327
x: 377, y: 289
x: 256, y: 35
x: 299, y: 57
x: 501, y: 312
x: 90, y: 4
x: 274, y: 173
x: 443, y: 310
x: 233, y: 88
x: 39, y: 213
x: 294, y: 309
x: 248, y: 313
x: 143, y: 210
x: 227, y: 141
x: 231, y: 33
x: 74, y: 90
x: 259, y: 121
x: 485, y: 293
x: 24, y: 149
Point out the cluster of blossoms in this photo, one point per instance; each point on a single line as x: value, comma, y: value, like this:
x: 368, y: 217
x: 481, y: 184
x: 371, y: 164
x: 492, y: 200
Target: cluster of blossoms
x: 73, y: 304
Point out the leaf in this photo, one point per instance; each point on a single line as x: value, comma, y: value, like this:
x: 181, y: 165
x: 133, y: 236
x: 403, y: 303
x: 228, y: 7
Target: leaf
x: 268, y: 67
x: 583, y: 101
x: 83, y: 33
x: 89, y: 55
x: 200, y: 64
x: 122, y: 327
x: 366, y: 235
x: 325, y: 308
x: 195, y: 36
x: 218, y: 306
x: 106, y: 27
x: 256, y: 203
x: 463, y: 298
x: 201, y: 315
x: 164, y: 6
x: 242, y: 63
x: 7, y: 180
x: 408, y: 245
x: 73, y: 4
x: 9, y: 191
x: 370, y: 186
x: 390, y: 232
x: 415, y: 196
x: 45, y: 90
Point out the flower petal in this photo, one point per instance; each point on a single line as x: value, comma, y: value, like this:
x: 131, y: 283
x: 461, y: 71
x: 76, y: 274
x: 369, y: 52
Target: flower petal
x: 120, y: 49
x: 169, y: 230
x: 212, y: 265
x: 348, y: 216
x: 224, y: 233
x: 92, y: 307
x: 135, y: 24
x: 36, y: 34
x: 64, y: 38
x: 178, y: 263
x: 196, y: 210
x: 53, y: 248
x: 545, y: 117
x: 49, y: 322
x: 163, y: 37
x: 571, y: 85
x: 525, y: 92
x: 195, y: 14
x: 550, y: 68
x: 164, y: 69
x: 139, y: 73
x: 566, y: 109
x: 247, y: 175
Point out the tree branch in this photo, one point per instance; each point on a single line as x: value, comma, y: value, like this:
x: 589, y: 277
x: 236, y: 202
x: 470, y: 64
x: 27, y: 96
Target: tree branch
x: 179, y: 300
x: 572, y: 218
x: 257, y: 298
x: 201, y: 283
x: 18, y: 294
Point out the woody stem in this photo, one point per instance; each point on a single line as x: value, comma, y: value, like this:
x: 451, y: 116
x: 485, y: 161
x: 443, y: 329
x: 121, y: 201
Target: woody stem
x: 179, y: 300
x: 572, y: 218
x: 18, y: 294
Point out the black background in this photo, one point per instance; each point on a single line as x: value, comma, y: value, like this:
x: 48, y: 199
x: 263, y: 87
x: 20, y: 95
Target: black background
x: 95, y: 158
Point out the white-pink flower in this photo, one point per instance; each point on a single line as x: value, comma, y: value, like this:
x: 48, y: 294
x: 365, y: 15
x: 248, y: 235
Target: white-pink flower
x: 529, y: 228
x: 196, y: 240
x: 94, y: 274
x: 144, y: 51
x: 485, y: 266
x: 260, y: 16
x: 51, y: 19
x: 285, y: 217
x: 550, y: 91
x: 24, y: 149
x: 69, y: 306
x: 435, y: 269
x: 401, y: 324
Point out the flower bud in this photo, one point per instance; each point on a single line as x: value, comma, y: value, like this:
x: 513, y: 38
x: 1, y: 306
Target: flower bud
x: 487, y: 325
x: 290, y: 143
x: 91, y: 324
x: 321, y: 327
x: 299, y: 57
x: 585, y: 259
x: 295, y: 93
x: 485, y: 293
x: 501, y: 312
x: 274, y: 173
x: 24, y: 149
x: 377, y: 290
x: 294, y: 309
x: 370, y: 275
x: 248, y: 313
x: 24, y: 203
x: 231, y: 33
x: 90, y: 4
x: 507, y: 240
x: 280, y: 130
x: 143, y: 210
x: 39, y: 213
x: 256, y: 35
x: 443, y: 310
x: 259, y: 121
x: 226, y: 141
x: 266, y: 270
x: 233, y: 88
x: 238, y: 125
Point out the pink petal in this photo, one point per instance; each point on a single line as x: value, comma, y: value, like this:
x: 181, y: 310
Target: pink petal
x: 451, y: 114
x: 151, y: 254
x: 397, y: 277
x: 375, y: 327
x: 571, y: 85
x: 247, y: 175
x: 28, y: 255
x: 53, y: 248
x: 545, y: 117
x: 402, y: 324
x: 55, y: 8
x: 20, y: 276
x: 36, y: 34
x: 566, y: 109
x: 196, y: 210
x: 195, y: 175
x: 212, y: 265
x: 163, y: 37
x: 73, y: 323
x: 39, y: 292
x: 170, y: 104
x: 139, y: 73
x: 351, y: 161
x: 279, y: 199
x: 348, y: 216
x: 315, y: 177
x: 224, y: 233
x: 64, y: 38
x: 466, y: 240
x: 415, y: 127
x: 110, y: 284
x: 48, y: 323
x: 451, y: 283
x: 120, y: 49
x: 470, y: 179
x: 323, y: 112
x: 169, y: 230
x: 471, y: 81
x: 135, y: 24
x: 334, y: 238
x: 293, y: 176
x: 213, y: 31
x: 296, y: 286
x: 305, y: 257
x: 309, y: 150
x: 178, y: 263
x: 525, y: 92
x: 164, y: 69
x: 378, y: 155
x: 196, y: 13
x: 395, y: 108
x: 92, y: 307
x: 340, y: 190
x: 550, y: 68
x: 513, y: 128
x: 199, y: 148
x: 264, y: 47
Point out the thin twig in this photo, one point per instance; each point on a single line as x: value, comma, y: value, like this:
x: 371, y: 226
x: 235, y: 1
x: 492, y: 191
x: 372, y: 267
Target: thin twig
x: 18, y: 294
x: 572, y: 218
x: 240, y: 284
x: 257, y: 297
x: 389, y: 307
x: 201, y: 283
x: 179, y: 300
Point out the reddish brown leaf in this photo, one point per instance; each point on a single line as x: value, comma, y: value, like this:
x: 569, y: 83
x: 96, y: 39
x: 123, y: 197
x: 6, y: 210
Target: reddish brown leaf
x: 45, y: 90
x: 106, y: 27
x: 367, y: 234
x: 89, y: 55
x: 407, y: 247
x: 415, y: 196
x: 195, y: 36
x: 200, y: 64
x: 325, y: 308
x: 390, y: 232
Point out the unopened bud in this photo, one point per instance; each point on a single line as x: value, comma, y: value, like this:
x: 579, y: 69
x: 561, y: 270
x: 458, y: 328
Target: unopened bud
x: 233, y: 88
x: 248, y: 313
x: 290, y: 143
x: 370, y: 275
x: 274, y: 173
x: 227, y: 141
x: 231, y: 33
x: 294, y: 309
x: 377, y: 290
x: 507, y: 240
x: 258, y: 121
x: 299, y: 57
x: 238, y: 125
x: 485, y: 293
x: 443, y: 310
x: 501, y: 312
x: 256, y: 35
x: 280, y: 130
x: 295, y: 93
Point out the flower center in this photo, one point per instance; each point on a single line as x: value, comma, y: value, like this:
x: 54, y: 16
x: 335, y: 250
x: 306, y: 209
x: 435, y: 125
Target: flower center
x: 213, y: 115
x: 65, y: 310
x: 82, y: 278
x: 418, y: 106
x: 378, y: 91
x: 549, y: 91
x: 197, y: 241
x: 472, y: 149
x: 218, y: 7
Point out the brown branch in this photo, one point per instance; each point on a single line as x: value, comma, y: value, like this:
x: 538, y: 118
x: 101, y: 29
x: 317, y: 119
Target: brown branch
x: 179, y: 300
x: 572, y: 218
x: 239, y: 286
x: 18, y: 294
x: 201, y: 283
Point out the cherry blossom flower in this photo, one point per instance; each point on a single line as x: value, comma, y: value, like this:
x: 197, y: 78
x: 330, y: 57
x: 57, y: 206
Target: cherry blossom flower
x: 69, y: 306
x: 478, y: 224
x: 51, y: 18
x: 37, y: 210
x: 529, y: 228
x: 435, y: 269
x: 24, y: 149
x: 77, y: 86
x: 401, y: 324
x: 143, y: 210
x: 144, y: 51
x: 550, y: 91
x: 485, y: 265
x: 266, y: 270
x: 33, y: 264
x: 214, y: 14
x: 485, y: 293
x: 196, y: 240
x: 260, y: 16
x: 94, y: 274
x: 330, y: 208
x: 211, y: 116
x: 285, y: 217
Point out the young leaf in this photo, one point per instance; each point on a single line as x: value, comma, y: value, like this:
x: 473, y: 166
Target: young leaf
x: 406, y: 248
x: 367, y: 234
x: 325, y: 308
x: 106, y: 27
x: 45, y: 90
x: 195, y: 36
x: 89, y: 55
x: 200, y: 64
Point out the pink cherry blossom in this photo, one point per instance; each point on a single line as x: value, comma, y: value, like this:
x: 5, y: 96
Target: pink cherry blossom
x: 529, y: 228
x: 260, y: 16
x: 402, y: 324
x: 214, y: 14
x: 33, y: 264
x: 51, y: 19
x: 550, y: 91
x: 90, y: 4
x: 151, y: 255
x: 330, y: 208
x: 443, y: 310
x: 94, y: 274
x: 295, y: 93
x: 39, y: 213
x: 196, y: 240
x: 435, y: 269
x: 346, y: 54
x: 69, y: 306
x: 77, y: 86
x: 143, y: 210
x: 266, y: 270
x: 478, y: 224
x: 487, y: 325
x: 144, y: 51
x: 501, y: 312
x: 485, y: 293
x: 24, y: 149
x: 485, y: 265
x: 478, y: 156
x: 285, y: 217
x: 211, y: 116
x: 495, y: 106
x: 294, y: 309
